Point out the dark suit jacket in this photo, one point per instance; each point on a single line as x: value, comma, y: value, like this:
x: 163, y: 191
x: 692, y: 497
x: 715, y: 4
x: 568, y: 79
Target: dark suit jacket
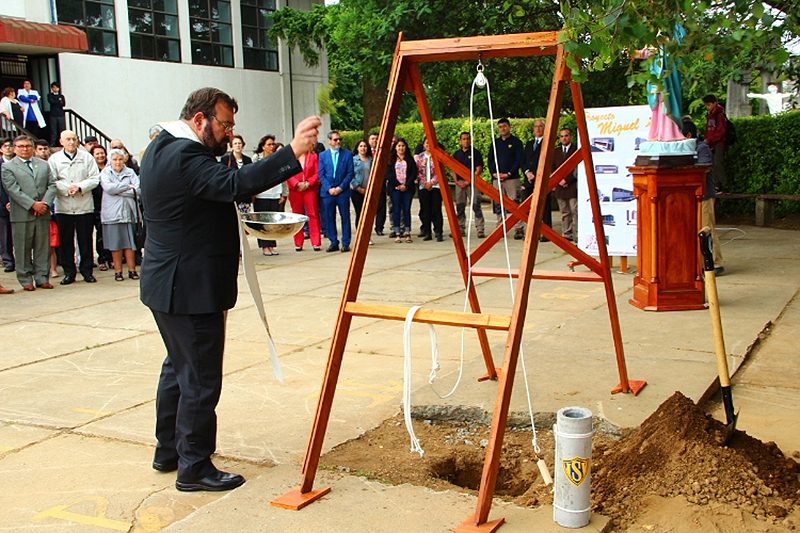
x: 571, y: 190
x: 229, y: 161
x: 191, y: 255
x: 342, y: 176
x: 530, y: 162
x: 25, y: 187
x: 3, y: 194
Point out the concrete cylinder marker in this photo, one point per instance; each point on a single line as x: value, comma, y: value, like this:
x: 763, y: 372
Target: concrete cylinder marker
x: 573, y: 436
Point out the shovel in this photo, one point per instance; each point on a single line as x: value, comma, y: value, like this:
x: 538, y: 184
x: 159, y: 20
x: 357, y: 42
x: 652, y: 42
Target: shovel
x: 719, y: 341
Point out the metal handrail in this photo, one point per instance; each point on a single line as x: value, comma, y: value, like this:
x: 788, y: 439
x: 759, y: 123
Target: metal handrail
x: 83, y: 128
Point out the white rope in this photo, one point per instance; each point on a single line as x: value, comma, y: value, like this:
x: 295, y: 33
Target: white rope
x: 255, y: 292
x: 534, y: 440
x: 416, y: 447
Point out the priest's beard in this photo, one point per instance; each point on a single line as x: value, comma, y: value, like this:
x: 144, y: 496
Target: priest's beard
x: 218, y: 148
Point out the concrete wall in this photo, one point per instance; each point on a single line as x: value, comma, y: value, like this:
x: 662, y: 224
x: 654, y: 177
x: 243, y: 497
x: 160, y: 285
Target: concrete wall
x: 123, y: 97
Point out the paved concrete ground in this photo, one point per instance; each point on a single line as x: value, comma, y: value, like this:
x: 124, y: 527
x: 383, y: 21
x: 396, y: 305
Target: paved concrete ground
x: 79, y: 366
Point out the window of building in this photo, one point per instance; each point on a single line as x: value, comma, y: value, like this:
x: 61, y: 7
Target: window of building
x: 154, y: 29
x: 96, y: 18
x: 212, y: 39
x: 259, y: 51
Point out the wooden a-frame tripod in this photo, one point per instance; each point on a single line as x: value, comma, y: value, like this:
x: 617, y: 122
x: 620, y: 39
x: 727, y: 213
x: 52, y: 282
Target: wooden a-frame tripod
x: 405, y: 76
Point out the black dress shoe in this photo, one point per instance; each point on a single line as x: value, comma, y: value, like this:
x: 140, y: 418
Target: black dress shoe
x: 439, y: 238
x: 9, y: 268
x: 543, y: 239
x: 332, y: 248
x: 426, y: 237
x: 89, y: 279
x: 170, y: 465
x: 67, y: 280
x: 345, y: 249
x: 215, y: 482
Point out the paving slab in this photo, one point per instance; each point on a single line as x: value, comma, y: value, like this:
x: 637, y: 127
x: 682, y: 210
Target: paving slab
x: 79, y: 368
x: 361, y: 505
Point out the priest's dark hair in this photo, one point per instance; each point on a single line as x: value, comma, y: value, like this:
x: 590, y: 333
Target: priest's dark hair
x: 204, y: 100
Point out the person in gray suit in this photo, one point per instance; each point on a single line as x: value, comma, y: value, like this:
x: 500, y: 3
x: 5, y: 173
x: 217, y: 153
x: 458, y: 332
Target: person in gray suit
x: 31, y: 188
x: 189, y: 271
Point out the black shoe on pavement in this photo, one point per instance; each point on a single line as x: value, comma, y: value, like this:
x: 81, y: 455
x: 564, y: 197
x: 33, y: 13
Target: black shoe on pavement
x: 345, y: 249
x: 332, y: 248
x: 165, y: 466
x: 426, y: 237
x: 67, y: 280
x: 9, y: 268
x: 215, y: 482
x: 439, y: 238
x: 543, y: 239
x: 89, y: 279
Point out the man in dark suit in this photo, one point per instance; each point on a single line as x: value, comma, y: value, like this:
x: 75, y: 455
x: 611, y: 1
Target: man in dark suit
x: 566, y: 191
x: 335, y: 173
x: 530, y: 163
x: 31, y: 187
x: 191, y: 260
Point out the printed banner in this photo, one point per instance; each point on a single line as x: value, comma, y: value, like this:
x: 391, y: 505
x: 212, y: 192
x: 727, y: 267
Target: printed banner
x: 615, y: 134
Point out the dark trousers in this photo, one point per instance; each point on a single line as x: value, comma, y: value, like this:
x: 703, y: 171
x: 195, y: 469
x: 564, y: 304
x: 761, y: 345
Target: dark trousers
x: 430, y: 211
x: 358, y: 203
x: 189, y: 390
x: 103, y: 254
x: 401, y: 211
x: 527, y: 190
x: 330, y: 206
x: 380, y: 216
x: 57, y: 125
x: 267, y: 204
x: 68, y: 227
x: 6, y: 241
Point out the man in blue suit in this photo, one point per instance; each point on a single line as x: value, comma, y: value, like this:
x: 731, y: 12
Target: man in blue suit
x: 335, y: 173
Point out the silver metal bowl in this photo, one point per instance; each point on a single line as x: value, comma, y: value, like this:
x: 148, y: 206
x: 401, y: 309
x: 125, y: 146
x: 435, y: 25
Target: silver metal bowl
x: 270, y: 225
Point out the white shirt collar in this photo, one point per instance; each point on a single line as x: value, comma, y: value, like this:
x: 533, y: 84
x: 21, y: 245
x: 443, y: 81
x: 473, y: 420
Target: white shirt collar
x: 180, y: 130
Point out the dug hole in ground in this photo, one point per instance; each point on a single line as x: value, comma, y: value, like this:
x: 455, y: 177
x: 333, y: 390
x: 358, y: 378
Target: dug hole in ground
x: 672, y: 473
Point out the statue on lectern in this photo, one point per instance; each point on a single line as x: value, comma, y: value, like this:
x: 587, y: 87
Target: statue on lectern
x: 665, y: 142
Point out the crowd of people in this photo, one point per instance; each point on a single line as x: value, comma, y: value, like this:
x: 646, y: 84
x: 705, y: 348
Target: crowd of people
x: 87, y: 189
x: 91, y: 198
x: 51, y: 200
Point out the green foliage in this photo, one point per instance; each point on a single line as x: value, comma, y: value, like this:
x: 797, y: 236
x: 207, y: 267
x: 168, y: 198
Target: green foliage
x: 725, y: 38
x: 764, y: 159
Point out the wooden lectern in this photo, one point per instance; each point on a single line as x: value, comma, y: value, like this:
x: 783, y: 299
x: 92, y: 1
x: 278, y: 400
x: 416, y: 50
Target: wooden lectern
x: 669, y: 267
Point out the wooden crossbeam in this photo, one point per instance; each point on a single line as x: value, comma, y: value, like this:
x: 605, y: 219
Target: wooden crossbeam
x: 488, y: 272
x: 430, y: 316
x: 484, y: 47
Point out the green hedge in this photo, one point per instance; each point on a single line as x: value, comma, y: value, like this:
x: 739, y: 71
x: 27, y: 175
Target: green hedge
x: 449, y: 129
x: 765, y: 159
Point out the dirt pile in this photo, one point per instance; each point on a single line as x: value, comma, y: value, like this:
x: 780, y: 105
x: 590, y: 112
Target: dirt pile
x: 677, y: 452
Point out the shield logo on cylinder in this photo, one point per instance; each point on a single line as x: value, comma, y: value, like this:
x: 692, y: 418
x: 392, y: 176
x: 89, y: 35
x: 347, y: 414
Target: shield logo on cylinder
x: 576, y: 469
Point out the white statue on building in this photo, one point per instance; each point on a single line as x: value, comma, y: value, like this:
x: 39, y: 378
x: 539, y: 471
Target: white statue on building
x: 773, y: 97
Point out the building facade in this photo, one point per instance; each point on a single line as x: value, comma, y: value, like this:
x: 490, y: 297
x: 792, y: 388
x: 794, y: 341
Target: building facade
x: 141, y: 58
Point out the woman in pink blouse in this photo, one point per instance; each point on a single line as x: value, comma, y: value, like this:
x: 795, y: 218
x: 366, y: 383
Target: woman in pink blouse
x: 400, y: 182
